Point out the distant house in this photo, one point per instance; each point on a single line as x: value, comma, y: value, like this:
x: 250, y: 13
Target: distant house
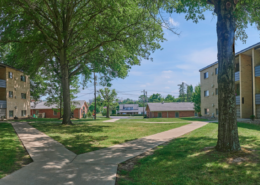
x: 128, y: 109
x: 170, y: 110
x: 141, y: 110
x: 51, y: 111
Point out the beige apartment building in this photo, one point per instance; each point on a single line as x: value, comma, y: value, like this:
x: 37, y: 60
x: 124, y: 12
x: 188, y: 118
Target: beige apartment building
x: 247, y: 84
x: 14, y: 93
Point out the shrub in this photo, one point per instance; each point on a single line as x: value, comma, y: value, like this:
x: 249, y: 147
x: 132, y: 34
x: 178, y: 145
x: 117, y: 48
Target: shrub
x: 104, y: 112
x: 89, y: 114
x: 113, y: 111
x: 252, y: 117
x: 200, y: 115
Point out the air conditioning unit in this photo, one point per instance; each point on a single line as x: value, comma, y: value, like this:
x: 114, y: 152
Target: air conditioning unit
x: 213, y: 105
x: 15, y: 89
x: 15, y: 107
x: 212, y: 93
x: 212, y: 85
x: 15, y: 97
x: 212, y: 73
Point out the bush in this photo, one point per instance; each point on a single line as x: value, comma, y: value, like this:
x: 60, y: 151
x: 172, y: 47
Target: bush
x: 113, y: 111
x: 200, y: 115
x: 89, y: 114
x: 104, y: 112
x: 252, y: 117
x: 139, y: 114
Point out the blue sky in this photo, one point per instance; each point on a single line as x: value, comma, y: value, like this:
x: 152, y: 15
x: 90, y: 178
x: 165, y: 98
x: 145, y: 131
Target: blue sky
x: 179, y: 61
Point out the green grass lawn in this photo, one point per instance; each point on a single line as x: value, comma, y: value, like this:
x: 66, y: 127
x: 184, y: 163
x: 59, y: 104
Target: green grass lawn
x: 87, y: 135
x: 186, y: 161
x: 165, y: 119
x: 12, y: 153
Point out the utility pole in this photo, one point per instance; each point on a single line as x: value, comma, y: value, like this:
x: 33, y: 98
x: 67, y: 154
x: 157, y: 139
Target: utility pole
x: 95, y: 83
x: 145, y: 92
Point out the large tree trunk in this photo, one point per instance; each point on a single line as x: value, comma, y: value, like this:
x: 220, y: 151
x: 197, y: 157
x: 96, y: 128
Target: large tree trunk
x: 228, y: 140
x: 108, y: 112
x: 65, y: 87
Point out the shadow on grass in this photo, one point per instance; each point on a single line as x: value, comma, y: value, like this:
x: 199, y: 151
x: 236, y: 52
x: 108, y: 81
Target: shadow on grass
x: 184, y: 161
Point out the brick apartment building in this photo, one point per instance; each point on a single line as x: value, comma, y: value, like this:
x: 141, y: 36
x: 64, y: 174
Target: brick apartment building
x: 170, y: 110
x: 14, y: 93
x: 51, y: 111
x: 247, y: 84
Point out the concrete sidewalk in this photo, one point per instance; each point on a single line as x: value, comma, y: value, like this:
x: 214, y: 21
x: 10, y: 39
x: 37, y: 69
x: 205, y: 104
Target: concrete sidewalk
x: 111, y: 120
x: 55, y: 165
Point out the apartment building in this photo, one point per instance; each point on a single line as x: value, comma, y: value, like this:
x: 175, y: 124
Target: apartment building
x: 14, y: 93
x: 247, y: 84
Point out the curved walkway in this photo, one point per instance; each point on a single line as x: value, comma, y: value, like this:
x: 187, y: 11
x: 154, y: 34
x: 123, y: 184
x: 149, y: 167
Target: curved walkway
x: 55, y: 165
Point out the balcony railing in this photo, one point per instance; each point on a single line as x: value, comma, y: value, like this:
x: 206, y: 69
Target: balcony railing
x: 237, y: 100
x: 236, y: 76
x: 257, y: 70
x: 257, y: 99
x: 3, y: 83
x: 2, y: 104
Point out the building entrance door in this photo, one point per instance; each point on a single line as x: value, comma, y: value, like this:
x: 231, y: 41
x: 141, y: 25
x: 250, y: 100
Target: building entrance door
x: 176, y: 114
x: 159, y: 114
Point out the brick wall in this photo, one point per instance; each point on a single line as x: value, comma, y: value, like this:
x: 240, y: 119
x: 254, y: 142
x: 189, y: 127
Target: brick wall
x: 48, y: 113
x: 171, y: 114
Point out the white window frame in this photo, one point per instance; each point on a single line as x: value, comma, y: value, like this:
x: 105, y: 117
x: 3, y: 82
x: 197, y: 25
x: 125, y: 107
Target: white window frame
x: 206, y: 93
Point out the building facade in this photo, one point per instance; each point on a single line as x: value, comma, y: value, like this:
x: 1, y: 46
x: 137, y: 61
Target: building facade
x: 247, y: 84
x: 14, y: 93
x: 170, y: 110
x: 52, y: 111
x: 128, y: 109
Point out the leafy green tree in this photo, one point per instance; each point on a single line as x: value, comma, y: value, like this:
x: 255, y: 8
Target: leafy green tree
x: 108, y: 99
x: 78, y: 37
x: 156, y: 98
x: 196, y: 99
x: 92, y: 107
x: 233, y: 17
x: 169, y: 98
x: 189, y: 92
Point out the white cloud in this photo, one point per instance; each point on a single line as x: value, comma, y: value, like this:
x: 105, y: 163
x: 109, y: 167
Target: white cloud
x: 172, y: 22
x: 135, y: 73
x: 184, y: 66
x: 167, y: 87
x: 202, y: 57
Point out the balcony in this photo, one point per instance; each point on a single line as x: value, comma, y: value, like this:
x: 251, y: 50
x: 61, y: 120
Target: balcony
x: 257, y: 70
x: 237, y: 76
x: 257, y: 99
x: 3, y: 83
x: 238, y: 100
x: 2, y: 104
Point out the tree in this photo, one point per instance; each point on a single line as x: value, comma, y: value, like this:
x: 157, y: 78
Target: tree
x: 196, y: 99
x: 79, y: 37
x: 155, y: 98
x: 182, y: 90
x: 189, y: 92
x: 231, y: 15
x: 169, y: 98
x: 108, y: 99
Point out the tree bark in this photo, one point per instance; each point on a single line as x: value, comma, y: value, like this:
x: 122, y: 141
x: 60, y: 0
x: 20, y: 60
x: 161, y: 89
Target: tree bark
x: 108, y: 112
x: 228, y: 140
x: 65, y: 87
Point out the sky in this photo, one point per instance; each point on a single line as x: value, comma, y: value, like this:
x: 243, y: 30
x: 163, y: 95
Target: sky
x: 179, y: 61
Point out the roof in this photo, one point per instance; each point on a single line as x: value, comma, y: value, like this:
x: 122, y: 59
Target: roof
x: 141, y: 109
x: 42, y: 105
x: 242, y: 51
x: 5, y: 65
x: 135, y: 106
x: 174, y: 106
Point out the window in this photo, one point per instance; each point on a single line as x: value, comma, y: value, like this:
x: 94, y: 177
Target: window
x: 216, y: 71
x: 216, y: 111
x: 159, y: 114
x: 176, y: 114
x: 216, y: 91
x: 23, y: 78
x: 11, y: 113
x: 23, y: 95
x: 206, y: 93
x: 23, y: 113
x: 10, y: 94
x: 206, y: 111
x: 10, y: 75
x: 54, y: 112
x: 206, y: 75
x: 37, y: 112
